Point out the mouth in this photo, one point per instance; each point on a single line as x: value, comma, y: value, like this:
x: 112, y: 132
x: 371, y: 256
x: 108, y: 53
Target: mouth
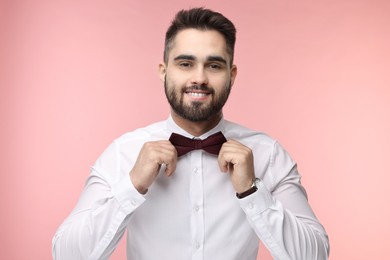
x: 197, y: 95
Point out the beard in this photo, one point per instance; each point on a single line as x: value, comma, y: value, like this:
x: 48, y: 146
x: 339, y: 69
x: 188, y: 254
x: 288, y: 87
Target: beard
x: 196, y: 111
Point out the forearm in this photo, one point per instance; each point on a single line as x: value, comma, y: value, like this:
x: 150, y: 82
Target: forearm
x: 95, y: 226
x: 287, y: 235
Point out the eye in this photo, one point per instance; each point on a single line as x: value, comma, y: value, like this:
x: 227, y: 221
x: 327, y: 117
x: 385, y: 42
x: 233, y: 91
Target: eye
x: 215, y: 66
x: 185, y: 64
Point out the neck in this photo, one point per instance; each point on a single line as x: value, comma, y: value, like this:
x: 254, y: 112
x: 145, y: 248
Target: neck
x: 196, y: 128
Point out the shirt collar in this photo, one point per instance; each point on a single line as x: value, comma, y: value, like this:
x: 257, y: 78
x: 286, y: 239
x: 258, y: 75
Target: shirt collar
x: 172, y: 126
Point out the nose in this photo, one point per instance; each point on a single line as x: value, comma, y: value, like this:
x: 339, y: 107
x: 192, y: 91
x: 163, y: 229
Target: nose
x: 199, y: 77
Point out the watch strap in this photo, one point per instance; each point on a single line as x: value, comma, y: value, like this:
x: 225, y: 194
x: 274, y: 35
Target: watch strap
x: 251, y: 190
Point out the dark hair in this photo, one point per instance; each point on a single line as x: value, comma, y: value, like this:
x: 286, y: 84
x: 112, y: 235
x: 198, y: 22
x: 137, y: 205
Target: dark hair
x: 201, y: 19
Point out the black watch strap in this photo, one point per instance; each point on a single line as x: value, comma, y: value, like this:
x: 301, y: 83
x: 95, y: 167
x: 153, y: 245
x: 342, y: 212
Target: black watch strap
x: 252, y: 190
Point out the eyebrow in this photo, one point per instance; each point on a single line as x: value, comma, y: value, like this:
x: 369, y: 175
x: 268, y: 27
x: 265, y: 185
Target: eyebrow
x: 216, y: 58
x: 185, y: 57
x: 209, y: 58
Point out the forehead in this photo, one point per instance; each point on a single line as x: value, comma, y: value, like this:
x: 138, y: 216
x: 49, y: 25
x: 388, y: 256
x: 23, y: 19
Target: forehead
x: 199, y: 43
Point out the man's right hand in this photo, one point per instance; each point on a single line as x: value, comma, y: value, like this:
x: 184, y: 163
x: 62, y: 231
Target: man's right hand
x: 151, y: 157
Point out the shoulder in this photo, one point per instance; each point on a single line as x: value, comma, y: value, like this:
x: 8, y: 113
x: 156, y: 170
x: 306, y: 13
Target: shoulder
x: 262, y: 145
x: 247, y: 136
x: 124, y: 150
x: 154, y: 131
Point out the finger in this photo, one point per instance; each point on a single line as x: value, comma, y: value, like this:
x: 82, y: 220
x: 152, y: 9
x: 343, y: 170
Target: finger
x: 170, y: 168
x: 222, y: 162
x: 169, y: 155
x: 170, y: 163
x: 233, y: 146
x: 234, y: 153
x: 223, y: 165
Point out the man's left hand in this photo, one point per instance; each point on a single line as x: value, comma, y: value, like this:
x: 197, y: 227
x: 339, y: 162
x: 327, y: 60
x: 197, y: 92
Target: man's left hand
x: 237, y: 160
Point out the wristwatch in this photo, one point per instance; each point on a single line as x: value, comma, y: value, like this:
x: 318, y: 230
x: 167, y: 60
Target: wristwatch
x: 251, y: 190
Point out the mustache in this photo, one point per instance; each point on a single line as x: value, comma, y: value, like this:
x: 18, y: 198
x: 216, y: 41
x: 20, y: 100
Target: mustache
x: 199, y: 87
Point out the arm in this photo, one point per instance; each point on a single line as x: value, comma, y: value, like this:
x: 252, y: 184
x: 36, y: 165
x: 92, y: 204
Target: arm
x: 110, y: 196
x: 279, y: 211
x: 285, y: 223
x: 98, y: 221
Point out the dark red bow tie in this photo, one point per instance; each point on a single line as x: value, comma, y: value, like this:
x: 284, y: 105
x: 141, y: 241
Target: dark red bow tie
x: 211, y: 144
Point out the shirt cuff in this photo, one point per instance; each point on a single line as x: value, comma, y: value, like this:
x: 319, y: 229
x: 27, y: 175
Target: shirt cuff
x: 127, y: 195
x: 257, y: 202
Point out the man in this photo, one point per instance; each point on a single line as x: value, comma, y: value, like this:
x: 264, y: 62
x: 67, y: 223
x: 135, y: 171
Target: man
x: 214, y: 202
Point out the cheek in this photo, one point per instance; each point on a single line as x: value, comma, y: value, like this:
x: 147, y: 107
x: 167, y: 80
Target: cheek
x: 221, y: 83
x: 175, y: 80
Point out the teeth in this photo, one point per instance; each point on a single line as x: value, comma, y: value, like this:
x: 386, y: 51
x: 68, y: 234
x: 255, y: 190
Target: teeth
x: 197, y: 94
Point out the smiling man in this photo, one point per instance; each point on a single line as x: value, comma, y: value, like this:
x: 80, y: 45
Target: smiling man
x: 198, y: 61
x: 194, y: 186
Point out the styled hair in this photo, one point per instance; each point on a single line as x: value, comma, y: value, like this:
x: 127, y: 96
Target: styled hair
x: 201, y: 19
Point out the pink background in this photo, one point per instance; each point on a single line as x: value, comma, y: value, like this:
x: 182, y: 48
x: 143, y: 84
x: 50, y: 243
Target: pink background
x: 75, y: 75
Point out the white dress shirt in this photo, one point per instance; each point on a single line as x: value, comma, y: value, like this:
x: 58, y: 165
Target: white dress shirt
x: 194, y: 214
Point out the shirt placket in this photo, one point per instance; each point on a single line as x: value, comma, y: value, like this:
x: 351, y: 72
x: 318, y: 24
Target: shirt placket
x: 196, y: 198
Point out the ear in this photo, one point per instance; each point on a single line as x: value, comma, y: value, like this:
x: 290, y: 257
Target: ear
x: 233, y: 74
x: 162, y: 70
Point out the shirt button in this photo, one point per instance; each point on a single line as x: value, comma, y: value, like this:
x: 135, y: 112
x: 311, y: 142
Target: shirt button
x: 134, y: 202
x: 196, y: 208
x: 250, y: 205
x: 196, y: 170
x: 197, y: 245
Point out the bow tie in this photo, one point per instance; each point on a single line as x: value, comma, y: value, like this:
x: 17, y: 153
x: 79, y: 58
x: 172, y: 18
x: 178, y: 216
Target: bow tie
x: 211, y: 144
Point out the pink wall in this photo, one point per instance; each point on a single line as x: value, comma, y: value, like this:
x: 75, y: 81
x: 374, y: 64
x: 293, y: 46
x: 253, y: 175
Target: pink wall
x: 75, y: 75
